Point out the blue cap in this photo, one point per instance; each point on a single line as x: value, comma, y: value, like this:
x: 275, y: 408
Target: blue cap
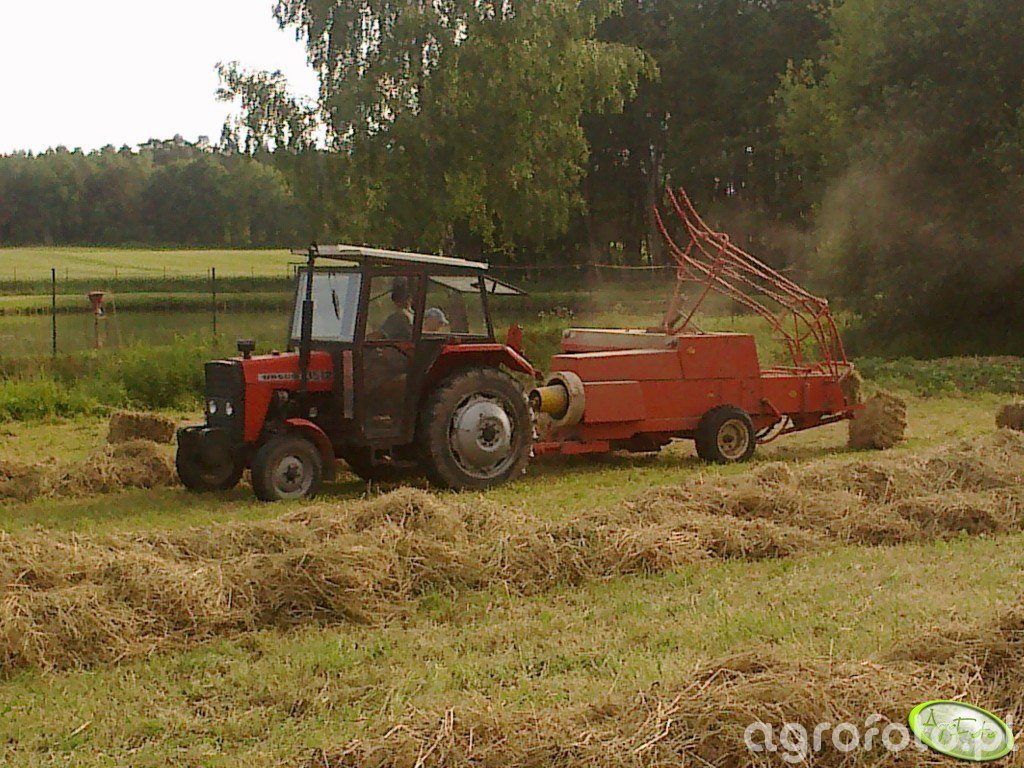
x: 436, y: 314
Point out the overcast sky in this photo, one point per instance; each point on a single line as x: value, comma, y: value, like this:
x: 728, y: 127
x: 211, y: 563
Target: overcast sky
x: 86, y: 73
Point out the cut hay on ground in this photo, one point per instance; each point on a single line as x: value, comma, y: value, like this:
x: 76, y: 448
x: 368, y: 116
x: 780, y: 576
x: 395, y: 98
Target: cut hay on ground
x: 701, y: 721
x: 362, y: 561
x: 127, y: 426
x: 22, y: 482
x: 697, y: 723
x: 134, y: 464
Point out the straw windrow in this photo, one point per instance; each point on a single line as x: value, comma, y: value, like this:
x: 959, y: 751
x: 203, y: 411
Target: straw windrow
x: 77, y: 600
x: 701, y: 720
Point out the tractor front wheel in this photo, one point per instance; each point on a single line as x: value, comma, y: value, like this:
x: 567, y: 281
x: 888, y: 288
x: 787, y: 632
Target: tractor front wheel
x: 726, y: 436
x: 475, y: 431
x: 205, y: 471
x: 286, y: 468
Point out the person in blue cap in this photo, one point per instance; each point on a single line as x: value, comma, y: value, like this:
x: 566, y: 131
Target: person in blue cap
x: 435, y: 321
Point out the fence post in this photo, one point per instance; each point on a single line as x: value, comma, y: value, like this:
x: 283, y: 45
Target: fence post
x: 53, y: 307
x: 213, y: 296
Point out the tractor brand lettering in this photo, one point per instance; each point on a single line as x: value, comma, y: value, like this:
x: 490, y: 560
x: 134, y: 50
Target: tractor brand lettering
x: 312, y: 376
x: 961, y: 730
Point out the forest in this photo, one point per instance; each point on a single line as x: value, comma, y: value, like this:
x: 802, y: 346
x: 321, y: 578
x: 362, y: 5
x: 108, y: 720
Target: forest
x: 875, y: 148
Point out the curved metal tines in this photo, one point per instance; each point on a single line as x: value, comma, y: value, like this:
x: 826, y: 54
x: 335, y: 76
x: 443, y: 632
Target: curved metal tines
x: 801, y: 320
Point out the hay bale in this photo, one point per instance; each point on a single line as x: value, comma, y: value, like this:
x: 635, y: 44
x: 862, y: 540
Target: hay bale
x: 852, y: 386
x: 1011, y: 416
x: 127, y: 426
x: 134, y: 464
x: 881, y: 424
x: 24, y: 481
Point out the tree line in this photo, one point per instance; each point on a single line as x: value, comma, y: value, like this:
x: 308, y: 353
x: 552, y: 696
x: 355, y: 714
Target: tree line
x: 874, y: 147
x: 163, y: 193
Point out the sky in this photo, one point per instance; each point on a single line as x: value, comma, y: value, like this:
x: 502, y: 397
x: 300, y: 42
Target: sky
x: 87, y: 73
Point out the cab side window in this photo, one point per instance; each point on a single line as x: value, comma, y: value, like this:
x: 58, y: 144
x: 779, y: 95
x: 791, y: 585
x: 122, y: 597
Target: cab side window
x: 392, y: 314
x: 453, y: 312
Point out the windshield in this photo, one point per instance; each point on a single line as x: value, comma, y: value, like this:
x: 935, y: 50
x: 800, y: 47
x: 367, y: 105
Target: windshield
x: 335, y: 305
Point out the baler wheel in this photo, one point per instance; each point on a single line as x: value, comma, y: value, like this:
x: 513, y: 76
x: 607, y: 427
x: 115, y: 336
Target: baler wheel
x: 286, y: 468
x: 726, y: 436
x: 475, y: 431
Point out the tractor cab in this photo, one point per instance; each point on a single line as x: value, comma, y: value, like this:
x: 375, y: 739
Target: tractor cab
x: 387, y: 318
x: 376, y: 339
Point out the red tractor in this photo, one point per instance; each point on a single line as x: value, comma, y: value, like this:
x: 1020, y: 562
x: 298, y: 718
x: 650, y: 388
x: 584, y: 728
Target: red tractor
x: 392, y: 367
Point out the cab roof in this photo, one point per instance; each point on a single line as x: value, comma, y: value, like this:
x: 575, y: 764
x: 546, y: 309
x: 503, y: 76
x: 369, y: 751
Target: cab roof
x: 359, y: 253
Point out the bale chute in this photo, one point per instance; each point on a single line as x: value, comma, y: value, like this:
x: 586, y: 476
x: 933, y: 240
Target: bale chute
x: 803, y: 322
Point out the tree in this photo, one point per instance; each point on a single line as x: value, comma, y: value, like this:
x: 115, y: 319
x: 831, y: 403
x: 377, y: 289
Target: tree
x: 911, y: 123
x: 460, y: 121
x: 709, y: 122
x: 169, y: 192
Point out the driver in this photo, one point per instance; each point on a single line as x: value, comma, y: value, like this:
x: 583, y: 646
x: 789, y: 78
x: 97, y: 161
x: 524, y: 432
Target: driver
x: 399, y: 324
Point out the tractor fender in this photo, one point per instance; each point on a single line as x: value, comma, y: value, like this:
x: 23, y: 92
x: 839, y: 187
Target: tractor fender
x: 518, y: 362
x: 492, y: 355
x: 319, y: 438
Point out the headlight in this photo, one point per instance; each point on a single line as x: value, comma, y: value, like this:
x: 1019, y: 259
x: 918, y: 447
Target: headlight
x: 211, y: 407
x: 229, y: 409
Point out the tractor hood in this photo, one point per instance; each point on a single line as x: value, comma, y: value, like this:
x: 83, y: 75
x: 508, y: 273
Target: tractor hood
x: 281, y: 371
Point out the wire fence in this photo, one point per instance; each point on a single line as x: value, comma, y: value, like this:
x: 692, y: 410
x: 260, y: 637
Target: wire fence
x: 68, y: 312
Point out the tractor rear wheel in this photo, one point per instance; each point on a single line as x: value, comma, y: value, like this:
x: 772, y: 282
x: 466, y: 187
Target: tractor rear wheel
x: 726, y: 436
x: 286, y: 468
x: 475, y: 431
x: 200, y: 473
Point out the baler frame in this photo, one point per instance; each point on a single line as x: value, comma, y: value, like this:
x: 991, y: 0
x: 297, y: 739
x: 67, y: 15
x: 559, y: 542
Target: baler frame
x: 620, y: 389
x: 712, y: 259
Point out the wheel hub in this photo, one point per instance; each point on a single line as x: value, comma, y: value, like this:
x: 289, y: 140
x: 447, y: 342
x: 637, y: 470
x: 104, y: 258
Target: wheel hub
x: 481, y: 437
x: 733, y: 439
x: 291, y: 477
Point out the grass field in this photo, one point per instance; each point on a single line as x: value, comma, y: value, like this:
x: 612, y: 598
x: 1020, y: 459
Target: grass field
x: 280, y: 696
x: 464, y: 670
x: 33, y: 264
x: 556, y: 487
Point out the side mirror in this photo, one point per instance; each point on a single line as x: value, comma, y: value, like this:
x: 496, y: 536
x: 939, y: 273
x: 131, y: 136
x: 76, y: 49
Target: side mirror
x: 246, y: 347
